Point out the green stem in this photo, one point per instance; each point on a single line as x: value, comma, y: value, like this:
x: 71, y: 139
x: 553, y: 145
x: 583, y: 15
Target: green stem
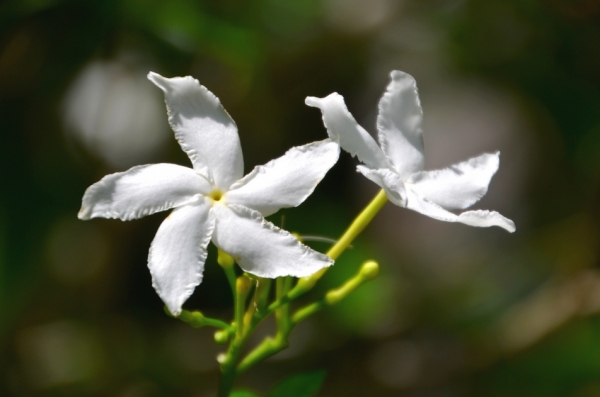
x: 357, y: 226
x: 361, y: 221
x: 267, y: 348
x: 368, y: 271
x: 243, y: 285
x: 226, y: 383
x: 226, y: 261
x: 228, y: 373
x: 263, y: 294
x: 301, y: 314
x: 282, y: 314
x: 271, y: 346
x: 257, y: 305
x: 197, y: 319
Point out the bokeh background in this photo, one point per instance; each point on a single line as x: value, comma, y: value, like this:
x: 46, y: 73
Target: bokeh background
x: 457, y: 311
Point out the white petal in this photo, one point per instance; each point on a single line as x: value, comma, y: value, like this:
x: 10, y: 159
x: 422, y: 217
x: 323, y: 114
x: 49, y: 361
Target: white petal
x: 460, y: 185
x: 399, y: 124
x: 342, y: 128
x: 286, y: 181
x: 479, y: 218
x: 485, y: 218
x: 178, y: 252
x: 141, y: 191
x: 389, y: 181
x: 261, y: 248
x: 203, y: 128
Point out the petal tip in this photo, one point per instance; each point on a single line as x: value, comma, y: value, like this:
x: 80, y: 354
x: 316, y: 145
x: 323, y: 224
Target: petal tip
x: 322, y: 102
x: 157, y: 80
x: 510, y: 226
x: 313, y: 101
x: 154, y: 77
x: 398, y: 75
x: 83, y: 215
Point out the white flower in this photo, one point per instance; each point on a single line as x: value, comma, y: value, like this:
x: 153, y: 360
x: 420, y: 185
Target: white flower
x: 397, y: 166
x: 212, y: 201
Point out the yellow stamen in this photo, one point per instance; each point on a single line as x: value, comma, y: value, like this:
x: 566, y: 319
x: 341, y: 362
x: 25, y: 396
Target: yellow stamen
x: 216, y: 195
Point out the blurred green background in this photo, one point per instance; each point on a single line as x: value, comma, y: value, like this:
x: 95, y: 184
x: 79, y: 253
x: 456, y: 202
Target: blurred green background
x: 457, y: 311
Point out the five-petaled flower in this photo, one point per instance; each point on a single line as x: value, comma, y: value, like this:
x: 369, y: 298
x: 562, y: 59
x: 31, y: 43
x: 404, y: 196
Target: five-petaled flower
x: 397, y: 166
x: 212, y: 201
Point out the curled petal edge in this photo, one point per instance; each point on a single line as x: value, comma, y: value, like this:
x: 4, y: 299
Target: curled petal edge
x: 389, y: 181
x: 477, y: 218
x: 343, y: 128
x: 285, y: 181
x: 254, y: 235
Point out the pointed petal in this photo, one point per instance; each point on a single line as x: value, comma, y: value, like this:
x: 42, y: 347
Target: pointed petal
x: 261, y: 248
x: 141, y: 191
x: 485, y: 218
x: 460, y: 185
x: 178, y: 253
x: 399, y: 124
x: 389, y: 181
x: 203, y: 128
x: 286, y: 181
x: 342, y: 128
x: 479, y: 218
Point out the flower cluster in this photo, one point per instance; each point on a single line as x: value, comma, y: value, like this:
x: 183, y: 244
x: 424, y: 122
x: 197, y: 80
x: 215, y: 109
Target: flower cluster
x: 213, y: 201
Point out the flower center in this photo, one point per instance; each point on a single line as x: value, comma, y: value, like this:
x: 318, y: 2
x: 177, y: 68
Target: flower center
x: 216, y: 195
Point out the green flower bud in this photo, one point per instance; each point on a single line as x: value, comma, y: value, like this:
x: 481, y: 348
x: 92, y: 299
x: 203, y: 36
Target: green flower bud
x: 243, y: 284
x: 369, y: 270
x: 225, y: 260
x: 196, y: 320
x: 221, y: 337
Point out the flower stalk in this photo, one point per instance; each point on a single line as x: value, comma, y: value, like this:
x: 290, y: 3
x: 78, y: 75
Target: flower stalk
x: 226, y: 261
x: 363, y: 219
x: 284, y: 294
x: 368, y: 271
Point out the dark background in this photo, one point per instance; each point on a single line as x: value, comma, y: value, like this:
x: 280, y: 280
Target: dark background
x: 457, y: 311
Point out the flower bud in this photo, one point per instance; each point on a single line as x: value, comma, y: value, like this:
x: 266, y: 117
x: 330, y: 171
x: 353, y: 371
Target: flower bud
x: 225, y: 260
x: 243, y: 284
x: 197, y: 319
x: 221, y: 337
x: 369, y: 270
x: 334, y: 296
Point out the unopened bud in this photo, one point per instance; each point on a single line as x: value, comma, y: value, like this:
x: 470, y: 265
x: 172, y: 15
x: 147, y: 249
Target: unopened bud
x: 196, y: 320
x: 333, y: 297
x: 369, y: 270
x: 243, y: 284
x: 221, y: 337
x: 224, y: 259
